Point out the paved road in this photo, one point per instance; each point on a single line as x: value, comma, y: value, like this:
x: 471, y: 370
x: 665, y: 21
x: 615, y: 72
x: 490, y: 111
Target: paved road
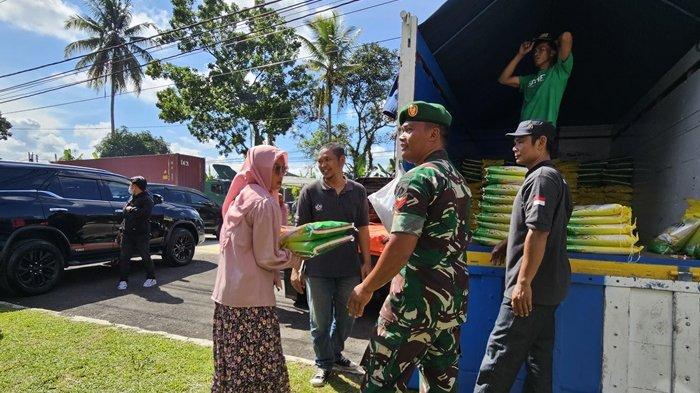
x: 180, y: 304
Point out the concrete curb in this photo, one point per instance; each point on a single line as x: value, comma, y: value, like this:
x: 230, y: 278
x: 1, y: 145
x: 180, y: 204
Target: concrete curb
x: 102, y: 322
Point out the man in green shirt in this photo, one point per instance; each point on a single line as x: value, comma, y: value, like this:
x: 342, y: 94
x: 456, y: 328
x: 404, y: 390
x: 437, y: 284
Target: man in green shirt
x: 542, y: 92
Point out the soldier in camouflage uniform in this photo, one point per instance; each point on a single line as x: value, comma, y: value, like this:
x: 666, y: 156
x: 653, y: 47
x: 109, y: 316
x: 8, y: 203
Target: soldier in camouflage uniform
x: 420, y: 320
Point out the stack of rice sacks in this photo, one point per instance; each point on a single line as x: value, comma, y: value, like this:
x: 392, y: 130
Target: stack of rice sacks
x: 501, y: 184
x: 605, y: 182
x: 569, y: 169
x: 602, y: 229
x: 471, y: 170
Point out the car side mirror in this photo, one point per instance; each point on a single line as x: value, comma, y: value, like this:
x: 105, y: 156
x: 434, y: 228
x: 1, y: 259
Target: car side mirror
x: 157, y: 199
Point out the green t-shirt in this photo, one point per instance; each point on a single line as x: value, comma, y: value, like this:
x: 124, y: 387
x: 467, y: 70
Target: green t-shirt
x: 542, y: 92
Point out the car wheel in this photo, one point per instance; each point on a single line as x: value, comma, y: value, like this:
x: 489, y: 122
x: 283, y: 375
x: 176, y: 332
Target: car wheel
x: 218, y: 232
x: 34, y: 267
x: 180, y: 248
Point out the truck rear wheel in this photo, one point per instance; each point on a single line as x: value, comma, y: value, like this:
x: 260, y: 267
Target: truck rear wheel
x: 33, y: 267
x: 180, y: 248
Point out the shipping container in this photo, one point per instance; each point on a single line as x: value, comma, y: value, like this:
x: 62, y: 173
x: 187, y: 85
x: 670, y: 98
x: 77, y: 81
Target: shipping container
x: 175, y: 169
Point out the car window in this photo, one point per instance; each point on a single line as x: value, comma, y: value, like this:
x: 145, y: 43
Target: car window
x: 198, y: 199
x: 14, y: 178
x: 160, y: 190
x: 54, y: 185
x: 76, y: 188
x: 119, y: 192
x: 176, y: 196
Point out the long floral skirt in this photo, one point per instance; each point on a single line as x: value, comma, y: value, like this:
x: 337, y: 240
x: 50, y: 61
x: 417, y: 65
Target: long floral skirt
x: 248, y: 351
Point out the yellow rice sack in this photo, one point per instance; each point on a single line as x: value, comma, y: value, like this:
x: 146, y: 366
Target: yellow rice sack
x: 502, y: 189
x: 693, y: 210
x: 492, y: 178
x: 486, y: 241
x: 600, y: 210
x: 494, y: 217
x: 605, y: 250
x: 499, y: 199
x: 610, y: 229
x: 491, y: 233
x: 625, y: 218
x: 494, y: 225
x: 518, y: 171
x: 603, y: 240
x: 496, y: 208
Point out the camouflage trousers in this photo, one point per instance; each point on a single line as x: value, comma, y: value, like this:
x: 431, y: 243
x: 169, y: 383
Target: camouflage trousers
x: 394, y: 352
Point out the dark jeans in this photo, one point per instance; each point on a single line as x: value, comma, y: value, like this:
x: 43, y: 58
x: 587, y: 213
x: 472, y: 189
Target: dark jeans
x: 515, y: 340
x: 138, y: 246
x: 328, y: 313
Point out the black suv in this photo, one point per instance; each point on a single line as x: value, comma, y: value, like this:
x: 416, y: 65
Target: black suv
x: 209, y: 210
x: 55, y: 216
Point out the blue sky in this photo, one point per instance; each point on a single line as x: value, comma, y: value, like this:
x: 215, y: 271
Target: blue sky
x: 33, y: 34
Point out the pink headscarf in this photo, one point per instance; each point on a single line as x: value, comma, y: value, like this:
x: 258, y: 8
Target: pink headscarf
x: 256, y: 172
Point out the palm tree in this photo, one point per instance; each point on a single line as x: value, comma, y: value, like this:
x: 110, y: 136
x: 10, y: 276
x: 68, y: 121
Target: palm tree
x: 112, y: 46
x: 330, y: 46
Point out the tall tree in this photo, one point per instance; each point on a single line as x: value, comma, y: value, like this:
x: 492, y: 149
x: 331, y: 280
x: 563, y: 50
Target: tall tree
x: 4, y: 128
x: 330, y: 46
x: 251, y: 86
x: 113, y: 45
x: 124, y: 143
x: 365, y: 91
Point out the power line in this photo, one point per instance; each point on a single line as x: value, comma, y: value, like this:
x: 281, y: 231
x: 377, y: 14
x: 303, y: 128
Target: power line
x: 211, y: 76
x: 140, y: 40
x: 150, y: 126
x: 186, y: 53
x: 163, y: 46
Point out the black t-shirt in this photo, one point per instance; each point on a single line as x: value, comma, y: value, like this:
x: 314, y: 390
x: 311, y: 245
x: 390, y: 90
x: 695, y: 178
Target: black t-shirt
x: 318, y: 202
x: 543, y: 203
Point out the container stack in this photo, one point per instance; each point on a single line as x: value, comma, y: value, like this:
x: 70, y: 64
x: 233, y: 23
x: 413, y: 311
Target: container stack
x: 602, y: 229
x: 501, y: 184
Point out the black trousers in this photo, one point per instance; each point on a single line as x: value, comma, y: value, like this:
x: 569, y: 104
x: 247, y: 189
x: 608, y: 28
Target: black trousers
x: 138, y: 246
x: 515, y: 340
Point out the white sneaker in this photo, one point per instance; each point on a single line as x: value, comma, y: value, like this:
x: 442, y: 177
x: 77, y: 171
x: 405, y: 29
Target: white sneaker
x: 151, y: 282
x: 320, y: 378
x: 122, y: 285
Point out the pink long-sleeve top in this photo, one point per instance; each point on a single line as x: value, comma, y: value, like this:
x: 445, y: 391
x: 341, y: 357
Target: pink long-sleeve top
x: 251, y: 259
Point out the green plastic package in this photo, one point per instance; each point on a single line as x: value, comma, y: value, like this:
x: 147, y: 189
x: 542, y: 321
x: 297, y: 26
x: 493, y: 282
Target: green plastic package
x: 313, y: 248
x: 674, y: 238
x: 315, y: 238
x: 317, y: 230
x: 692, y: 247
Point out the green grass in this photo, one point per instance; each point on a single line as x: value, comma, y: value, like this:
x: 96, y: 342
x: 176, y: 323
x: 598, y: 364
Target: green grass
x: 41, y: 352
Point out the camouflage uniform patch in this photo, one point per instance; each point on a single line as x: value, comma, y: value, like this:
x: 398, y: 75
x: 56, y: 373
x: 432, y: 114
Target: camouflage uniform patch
x: 433, y: 203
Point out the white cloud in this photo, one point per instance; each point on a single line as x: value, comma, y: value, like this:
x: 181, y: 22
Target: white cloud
x: 150, y: 88
x: 45, y: 17
x: 89, y: 135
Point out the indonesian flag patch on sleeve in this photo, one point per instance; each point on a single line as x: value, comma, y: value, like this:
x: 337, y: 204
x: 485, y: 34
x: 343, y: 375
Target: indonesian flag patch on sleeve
x: 539, y: 200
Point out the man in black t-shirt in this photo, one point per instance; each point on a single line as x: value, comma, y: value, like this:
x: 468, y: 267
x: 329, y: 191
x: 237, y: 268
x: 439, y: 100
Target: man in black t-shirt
x: 331, y: 277
x: 537, y: 269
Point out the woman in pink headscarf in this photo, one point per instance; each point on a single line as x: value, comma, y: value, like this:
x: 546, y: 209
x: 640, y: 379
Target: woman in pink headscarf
x: 247, y: 346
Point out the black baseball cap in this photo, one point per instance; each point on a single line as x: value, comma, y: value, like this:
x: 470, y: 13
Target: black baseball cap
x: 534, y: 127
x: 140, y: 181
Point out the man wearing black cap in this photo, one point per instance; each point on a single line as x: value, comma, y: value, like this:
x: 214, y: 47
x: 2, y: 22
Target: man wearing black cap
x: 543, y: 91
x: 537, y: 269
x: 137, y: 232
